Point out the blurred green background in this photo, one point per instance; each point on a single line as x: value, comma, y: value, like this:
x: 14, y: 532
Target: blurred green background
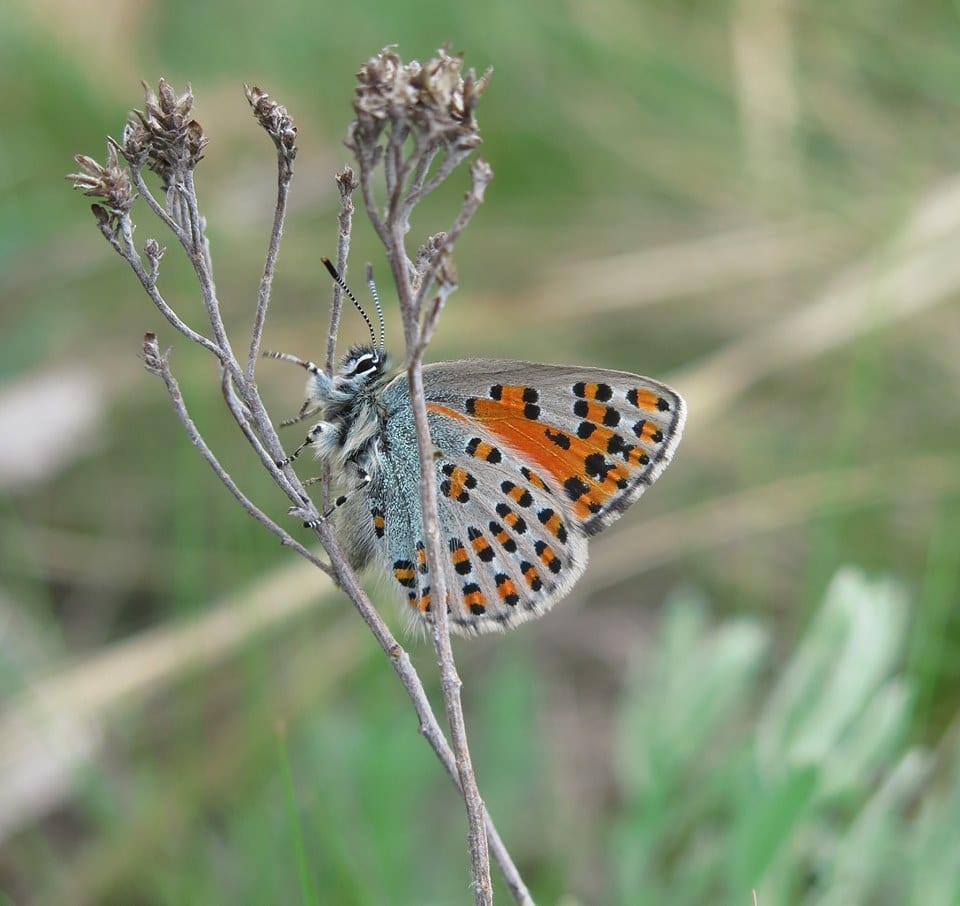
x: 755, y: 687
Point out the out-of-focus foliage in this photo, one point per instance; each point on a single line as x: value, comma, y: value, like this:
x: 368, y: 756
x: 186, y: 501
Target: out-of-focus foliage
x: 755, y: 199
x: 797, y: 779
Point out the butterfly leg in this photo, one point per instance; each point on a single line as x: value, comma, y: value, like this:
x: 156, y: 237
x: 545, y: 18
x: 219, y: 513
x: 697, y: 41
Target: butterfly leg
x: 306, y: 364
x: 322, y: 436
x: 363, y: 480
x: 305, y: 410
x: 314, y: 369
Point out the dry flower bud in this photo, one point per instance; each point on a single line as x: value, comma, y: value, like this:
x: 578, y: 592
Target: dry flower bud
x: 275, y: 119
x: 347, y: 182
x: 109, y: 182
x: 134, y: 146
x: 153, y: 360
x: 153, y: 250
x: 429, y: 250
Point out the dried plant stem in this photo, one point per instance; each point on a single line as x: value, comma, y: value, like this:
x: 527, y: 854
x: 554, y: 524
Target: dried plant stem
x: 429, y: 726
x: 266, y: 281
x: 158, y: 364
x: 439, y: 117
x: 449, y: 677
x: 417, y: 336
x: 346, y: 578
x: 347, y: 184
x: 168, y: 142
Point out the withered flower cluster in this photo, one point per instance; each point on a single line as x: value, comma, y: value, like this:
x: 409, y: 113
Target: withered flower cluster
x: 417, y: 121
x: 435, y: 99
x: 164, y: 135
x: 164, y: 138
x: 273, y: 117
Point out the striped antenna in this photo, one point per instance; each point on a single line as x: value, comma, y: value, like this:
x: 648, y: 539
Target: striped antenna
x: 376, y: 301
x: 339, y: 281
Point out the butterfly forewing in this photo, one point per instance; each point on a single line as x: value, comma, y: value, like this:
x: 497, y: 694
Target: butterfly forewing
x: 598, y: 437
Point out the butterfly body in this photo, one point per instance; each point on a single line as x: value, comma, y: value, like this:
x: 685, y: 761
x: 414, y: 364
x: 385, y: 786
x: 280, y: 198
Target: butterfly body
x: 531, y: 459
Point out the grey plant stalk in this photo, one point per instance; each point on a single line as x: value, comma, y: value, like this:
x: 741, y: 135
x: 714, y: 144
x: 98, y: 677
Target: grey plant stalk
x: 432, y: 103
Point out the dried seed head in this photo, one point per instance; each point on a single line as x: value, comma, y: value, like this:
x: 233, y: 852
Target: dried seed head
x: 134, y: 145
x: 163, y: 135
x: 429, y: 251
x: 109, y: 182
x: 275, y: 119
x: 435, y: 99
x: 347, y: 182
x: 153, y: 250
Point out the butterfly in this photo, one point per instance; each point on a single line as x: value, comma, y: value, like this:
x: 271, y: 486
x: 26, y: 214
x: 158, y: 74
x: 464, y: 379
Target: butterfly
x: 530, y: 461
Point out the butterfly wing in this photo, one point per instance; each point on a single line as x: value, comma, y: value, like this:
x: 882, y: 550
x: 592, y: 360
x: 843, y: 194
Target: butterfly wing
x: 512, y: 553
x: 532, y: 459
x: 599, y: 438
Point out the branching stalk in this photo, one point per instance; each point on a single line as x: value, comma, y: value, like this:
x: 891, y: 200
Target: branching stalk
x: 434, y: 104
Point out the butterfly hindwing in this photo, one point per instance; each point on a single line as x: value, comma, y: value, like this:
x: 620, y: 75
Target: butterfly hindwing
x: 511, y: 553
x: 508, y: 553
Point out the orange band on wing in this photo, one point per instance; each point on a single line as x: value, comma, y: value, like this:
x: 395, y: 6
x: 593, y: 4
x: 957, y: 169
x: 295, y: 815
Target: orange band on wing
x: 586, y: 468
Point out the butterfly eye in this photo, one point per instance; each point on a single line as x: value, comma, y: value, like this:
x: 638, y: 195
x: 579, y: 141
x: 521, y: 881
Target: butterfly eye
x: 363, y: 364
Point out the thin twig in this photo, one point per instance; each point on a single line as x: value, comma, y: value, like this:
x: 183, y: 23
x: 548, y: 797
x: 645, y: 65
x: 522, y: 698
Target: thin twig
x: 424, y: 157
x: 266, y: 281
x: 347, y: 185
x: 429, y: 326
x: 157, y: 364
x: 449, y: 677
x: 367, y: 168
x: 200, y: 259
x: 148, y: 281
x: 158, y: 209
x: 480, y: 176
x: 275, y: 120
x: 450, y: 162
x: 198, y: 235
x: 429, y: 726
x: 197, y: 251
x: 396, y: 169
x: 189, y: 232
x: 241, y: 416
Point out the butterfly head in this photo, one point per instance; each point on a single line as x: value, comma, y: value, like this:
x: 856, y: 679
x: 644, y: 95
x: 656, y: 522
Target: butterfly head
x: 361, y: 367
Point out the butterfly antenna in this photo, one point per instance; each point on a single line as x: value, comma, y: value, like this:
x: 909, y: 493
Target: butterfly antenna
x: 376, y: 301
x: 339, y: 281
